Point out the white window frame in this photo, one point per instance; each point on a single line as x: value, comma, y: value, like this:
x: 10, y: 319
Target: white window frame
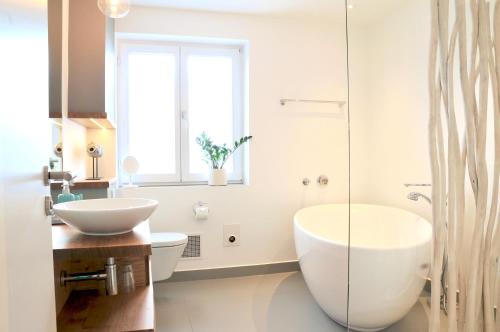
x: 234, y: 54
x: 181, y: 50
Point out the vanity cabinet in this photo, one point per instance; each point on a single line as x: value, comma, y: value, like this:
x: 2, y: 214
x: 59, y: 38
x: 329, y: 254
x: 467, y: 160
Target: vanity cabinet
x: 91, y: 65
x: 84, y: 306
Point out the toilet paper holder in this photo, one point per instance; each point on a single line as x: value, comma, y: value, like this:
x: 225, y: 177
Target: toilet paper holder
x: 201, y: 210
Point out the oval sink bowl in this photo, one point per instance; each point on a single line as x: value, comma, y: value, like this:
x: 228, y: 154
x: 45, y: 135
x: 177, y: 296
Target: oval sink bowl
x: 108, y: 216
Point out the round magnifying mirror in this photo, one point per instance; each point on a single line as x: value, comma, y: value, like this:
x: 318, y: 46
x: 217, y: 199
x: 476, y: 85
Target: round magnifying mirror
x: 130, y: 166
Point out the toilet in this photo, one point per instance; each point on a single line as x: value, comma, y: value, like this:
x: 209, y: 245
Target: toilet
x: 167, y: 249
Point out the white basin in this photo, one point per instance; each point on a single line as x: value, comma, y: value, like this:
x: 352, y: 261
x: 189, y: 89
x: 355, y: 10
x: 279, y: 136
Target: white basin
x: 108, y: 216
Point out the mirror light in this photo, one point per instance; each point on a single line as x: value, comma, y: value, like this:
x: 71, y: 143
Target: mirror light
x: 114, y: 8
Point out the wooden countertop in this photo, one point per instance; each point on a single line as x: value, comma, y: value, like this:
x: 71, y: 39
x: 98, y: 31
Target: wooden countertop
x: 68, y: 243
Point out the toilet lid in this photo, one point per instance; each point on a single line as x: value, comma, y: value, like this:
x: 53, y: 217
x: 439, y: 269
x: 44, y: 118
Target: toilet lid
x: 167, y: 239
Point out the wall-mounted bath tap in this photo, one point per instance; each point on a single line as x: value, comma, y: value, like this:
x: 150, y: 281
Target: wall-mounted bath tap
x: 414, y: 196
x: 323, y: 180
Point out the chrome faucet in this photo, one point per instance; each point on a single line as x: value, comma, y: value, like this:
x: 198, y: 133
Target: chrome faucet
x: 63, y: 175
x: 414, y: 196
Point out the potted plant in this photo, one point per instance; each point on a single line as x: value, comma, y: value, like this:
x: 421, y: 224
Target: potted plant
x: 216, y: 156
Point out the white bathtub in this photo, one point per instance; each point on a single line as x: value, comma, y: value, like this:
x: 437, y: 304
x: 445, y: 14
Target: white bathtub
x: 389, y: 261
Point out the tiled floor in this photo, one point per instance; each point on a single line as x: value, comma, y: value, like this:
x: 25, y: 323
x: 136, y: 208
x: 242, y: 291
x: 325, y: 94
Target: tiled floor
x: 267, y: 303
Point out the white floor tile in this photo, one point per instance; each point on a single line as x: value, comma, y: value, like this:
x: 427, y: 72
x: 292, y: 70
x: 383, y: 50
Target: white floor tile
x: 268, y: 303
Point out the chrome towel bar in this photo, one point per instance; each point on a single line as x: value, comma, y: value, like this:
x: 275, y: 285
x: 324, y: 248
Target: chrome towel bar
x: 284, y: 101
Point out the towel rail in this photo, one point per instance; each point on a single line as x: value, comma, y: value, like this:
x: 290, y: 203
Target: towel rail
x: 284, y: 101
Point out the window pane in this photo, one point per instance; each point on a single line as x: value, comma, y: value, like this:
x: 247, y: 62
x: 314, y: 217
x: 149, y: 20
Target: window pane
x: 210, y: 91
x: 152, y: 102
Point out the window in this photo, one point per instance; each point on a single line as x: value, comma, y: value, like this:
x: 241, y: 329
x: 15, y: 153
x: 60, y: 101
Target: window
x: 168, y: 94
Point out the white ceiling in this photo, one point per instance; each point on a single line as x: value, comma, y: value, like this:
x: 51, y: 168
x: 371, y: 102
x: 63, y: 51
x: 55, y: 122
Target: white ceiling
x: 250, y: 6
x: 364, y: 11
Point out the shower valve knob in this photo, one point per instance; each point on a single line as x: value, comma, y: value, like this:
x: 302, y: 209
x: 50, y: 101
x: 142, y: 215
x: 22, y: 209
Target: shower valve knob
x: 323, y: 180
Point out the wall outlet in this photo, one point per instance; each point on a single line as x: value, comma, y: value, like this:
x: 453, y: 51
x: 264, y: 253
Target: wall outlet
x: 231, y: 235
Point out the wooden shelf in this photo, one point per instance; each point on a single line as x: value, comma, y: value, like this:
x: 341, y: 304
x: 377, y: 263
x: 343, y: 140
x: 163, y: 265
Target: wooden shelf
x: 55, y: 115
x: 68, y: 243
x: 86, y: 310
x: 86, y: 184
x: 94, y: 120
x: 81, y: 306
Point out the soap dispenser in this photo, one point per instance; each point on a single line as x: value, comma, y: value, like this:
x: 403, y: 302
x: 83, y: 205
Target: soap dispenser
x: 66, y: 195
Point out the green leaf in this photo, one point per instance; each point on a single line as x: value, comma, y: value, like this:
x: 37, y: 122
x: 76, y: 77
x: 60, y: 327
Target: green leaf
x: 217, y: 155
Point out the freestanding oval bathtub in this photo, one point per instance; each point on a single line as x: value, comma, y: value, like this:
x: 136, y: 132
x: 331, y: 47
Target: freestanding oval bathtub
x: 389, y: 260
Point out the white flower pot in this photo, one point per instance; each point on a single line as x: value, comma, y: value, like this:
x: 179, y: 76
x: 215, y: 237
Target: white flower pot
x: 217, y: 177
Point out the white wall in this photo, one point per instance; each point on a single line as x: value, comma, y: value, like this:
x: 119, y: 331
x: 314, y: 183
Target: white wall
x: 287, y: 59
x: 389, y: 112
x: 389, y: 107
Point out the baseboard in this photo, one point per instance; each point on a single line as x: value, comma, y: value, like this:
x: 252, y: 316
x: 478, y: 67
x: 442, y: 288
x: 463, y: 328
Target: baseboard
x: 234, y: 271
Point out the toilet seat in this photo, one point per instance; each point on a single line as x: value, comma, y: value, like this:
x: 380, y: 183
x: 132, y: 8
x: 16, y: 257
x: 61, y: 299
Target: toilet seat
x: 167, y: 239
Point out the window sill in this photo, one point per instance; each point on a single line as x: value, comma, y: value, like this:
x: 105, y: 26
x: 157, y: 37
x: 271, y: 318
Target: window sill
x: 184, y: 184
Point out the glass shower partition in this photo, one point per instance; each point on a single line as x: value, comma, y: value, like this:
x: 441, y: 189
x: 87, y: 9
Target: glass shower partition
x: 425, y: 162
x: 390, y: 176
x: 313, y: 109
